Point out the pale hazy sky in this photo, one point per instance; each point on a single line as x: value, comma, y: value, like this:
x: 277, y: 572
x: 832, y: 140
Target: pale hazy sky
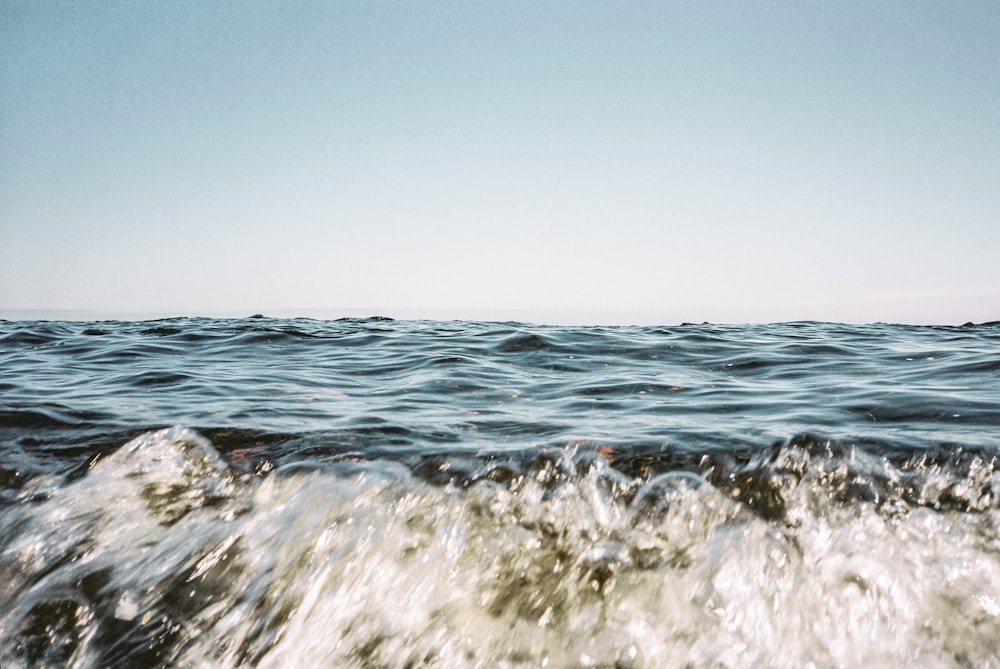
x: 726, y: 161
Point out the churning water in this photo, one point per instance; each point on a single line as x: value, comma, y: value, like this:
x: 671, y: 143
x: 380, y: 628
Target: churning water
x: 373, y: 493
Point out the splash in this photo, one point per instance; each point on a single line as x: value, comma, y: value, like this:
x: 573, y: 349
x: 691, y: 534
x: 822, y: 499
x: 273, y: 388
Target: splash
x: 807, y: 554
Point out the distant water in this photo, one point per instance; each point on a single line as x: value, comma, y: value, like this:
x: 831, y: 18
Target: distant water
x: 374, y: 493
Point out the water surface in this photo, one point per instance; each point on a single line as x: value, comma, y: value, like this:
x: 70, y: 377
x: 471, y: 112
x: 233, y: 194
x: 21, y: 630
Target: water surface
x: 367, y: 492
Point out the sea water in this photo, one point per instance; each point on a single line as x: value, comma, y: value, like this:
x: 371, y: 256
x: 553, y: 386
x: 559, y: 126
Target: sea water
x: 376, y: 493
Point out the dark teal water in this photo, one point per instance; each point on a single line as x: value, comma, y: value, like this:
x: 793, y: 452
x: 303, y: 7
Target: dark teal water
x: 366, y: 492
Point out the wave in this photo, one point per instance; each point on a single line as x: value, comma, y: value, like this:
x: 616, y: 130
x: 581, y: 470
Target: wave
x: 170, y: 552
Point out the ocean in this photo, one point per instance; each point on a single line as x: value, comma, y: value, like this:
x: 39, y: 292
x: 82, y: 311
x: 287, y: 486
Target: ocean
x: 367, y: 492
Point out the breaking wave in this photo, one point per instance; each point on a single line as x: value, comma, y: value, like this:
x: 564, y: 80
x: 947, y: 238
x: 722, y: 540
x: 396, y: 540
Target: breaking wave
x: 809, y: 552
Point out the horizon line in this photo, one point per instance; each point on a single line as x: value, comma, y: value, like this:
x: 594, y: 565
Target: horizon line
x: 534, y: 316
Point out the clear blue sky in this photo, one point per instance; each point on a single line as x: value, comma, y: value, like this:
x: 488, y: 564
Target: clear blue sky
x: 726, y: 161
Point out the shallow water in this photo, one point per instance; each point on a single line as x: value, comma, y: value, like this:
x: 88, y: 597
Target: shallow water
x: 369, y: 493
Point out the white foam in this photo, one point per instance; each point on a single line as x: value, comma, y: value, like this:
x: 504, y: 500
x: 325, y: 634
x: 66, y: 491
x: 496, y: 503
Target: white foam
x: 369, y: 566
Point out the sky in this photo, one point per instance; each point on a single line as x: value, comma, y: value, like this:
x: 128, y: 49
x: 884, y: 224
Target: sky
x: 563, y: 161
